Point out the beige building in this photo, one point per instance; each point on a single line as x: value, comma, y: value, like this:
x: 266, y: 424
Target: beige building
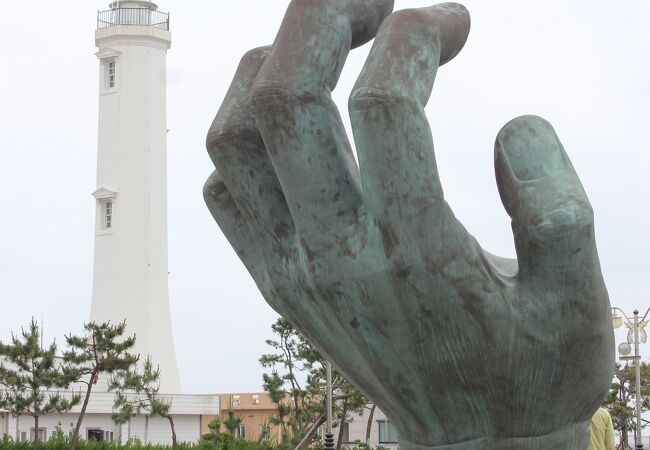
x: 255, y: 409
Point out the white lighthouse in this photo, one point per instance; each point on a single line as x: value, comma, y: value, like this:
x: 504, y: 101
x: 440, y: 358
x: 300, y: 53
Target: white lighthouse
x: 130, y: 266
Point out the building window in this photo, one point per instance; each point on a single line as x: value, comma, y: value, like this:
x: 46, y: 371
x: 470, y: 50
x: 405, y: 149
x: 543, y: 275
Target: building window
x: 95, y: 434
x: 387, y: 434
x: 110, y: 75
x: 105, y: 210
x: 42, y: 434
x: 23, y: 436
x: 107, y: 215
x: 108, y: 436
x: 240, y: 432
x: 235, y: 400
x: 256, y: 399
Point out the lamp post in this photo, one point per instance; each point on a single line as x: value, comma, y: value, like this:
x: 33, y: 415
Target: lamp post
x: 635, y: 327
x: 329, y: 435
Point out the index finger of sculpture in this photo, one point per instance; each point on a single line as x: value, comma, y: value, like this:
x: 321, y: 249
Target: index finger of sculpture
x: 237, y: 151
x: 552, y: 219
x: 299, y: 121
x: 391, y: 131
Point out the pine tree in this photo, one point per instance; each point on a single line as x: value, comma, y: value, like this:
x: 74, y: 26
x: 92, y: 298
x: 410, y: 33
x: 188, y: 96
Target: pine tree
x: 137, y: 392
x: 32, y: 378
x: 232, y: 421
x: 620, y: 401
x: 101, y: 349
x: 301, y: 404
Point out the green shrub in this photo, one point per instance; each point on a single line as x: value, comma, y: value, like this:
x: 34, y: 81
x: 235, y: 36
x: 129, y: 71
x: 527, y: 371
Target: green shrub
x: 210, y: 441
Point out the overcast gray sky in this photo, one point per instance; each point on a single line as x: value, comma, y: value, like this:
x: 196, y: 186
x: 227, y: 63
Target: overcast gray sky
x: 583, y: 65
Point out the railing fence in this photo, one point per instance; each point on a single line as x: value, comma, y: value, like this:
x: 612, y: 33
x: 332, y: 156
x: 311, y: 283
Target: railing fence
x: 133, y: 16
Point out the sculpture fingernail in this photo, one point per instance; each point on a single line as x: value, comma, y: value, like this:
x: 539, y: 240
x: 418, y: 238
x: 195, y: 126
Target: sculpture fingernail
x: 531, y: 148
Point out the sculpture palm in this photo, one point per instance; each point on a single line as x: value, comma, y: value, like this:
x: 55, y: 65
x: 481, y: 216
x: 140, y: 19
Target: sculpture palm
x: 461, y: 348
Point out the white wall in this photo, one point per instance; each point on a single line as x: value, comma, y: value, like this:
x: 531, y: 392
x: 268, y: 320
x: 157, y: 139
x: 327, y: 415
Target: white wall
x: 4, y: 424
x: 186, y: 410
x: 156, y: 430
x: 153, y: 430
x: 65, y: 421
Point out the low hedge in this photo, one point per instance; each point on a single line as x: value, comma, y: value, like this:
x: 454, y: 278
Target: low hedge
x: 223, y: 441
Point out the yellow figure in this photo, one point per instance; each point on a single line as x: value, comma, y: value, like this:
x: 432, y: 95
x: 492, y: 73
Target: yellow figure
x: 602, y: 431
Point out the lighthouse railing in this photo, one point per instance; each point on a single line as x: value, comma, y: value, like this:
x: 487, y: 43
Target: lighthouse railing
x: 133, y: 16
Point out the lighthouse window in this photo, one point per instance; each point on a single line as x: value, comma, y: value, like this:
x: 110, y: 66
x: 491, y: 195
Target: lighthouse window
x: 110, y: 72
x: 108, y: 215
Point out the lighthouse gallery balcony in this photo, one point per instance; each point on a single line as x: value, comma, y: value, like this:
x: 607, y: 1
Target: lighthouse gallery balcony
x: 133, y: 16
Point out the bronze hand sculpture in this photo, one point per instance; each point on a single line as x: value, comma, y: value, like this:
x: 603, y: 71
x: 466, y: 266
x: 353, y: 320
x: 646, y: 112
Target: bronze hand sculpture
x: 462, y: 349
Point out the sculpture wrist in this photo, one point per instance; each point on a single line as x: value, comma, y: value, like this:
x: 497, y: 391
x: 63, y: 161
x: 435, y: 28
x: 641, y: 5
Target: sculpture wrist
x: 573, y: 437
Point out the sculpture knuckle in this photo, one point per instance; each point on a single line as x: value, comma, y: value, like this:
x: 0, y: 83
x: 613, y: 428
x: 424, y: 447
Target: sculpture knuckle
x: 364, y: 97
x: 569, y: 219
x: 406, y: 19
x: 216, y: 138
x: 269, y: 94
x: 253, y: 56
x: 214, y: 187
x: 228, y: 136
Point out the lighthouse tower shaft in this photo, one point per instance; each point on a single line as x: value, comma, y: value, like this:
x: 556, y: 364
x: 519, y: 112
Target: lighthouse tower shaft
x: 130, y: 265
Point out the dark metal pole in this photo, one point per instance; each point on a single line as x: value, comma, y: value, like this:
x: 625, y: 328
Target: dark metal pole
x: 329, y: 436
x: 637, y: 375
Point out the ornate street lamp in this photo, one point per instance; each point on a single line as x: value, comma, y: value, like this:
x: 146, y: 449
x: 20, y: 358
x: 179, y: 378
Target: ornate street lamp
x: 636, y: 335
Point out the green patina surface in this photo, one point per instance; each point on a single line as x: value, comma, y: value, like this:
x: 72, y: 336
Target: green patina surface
x: 461, y: 348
